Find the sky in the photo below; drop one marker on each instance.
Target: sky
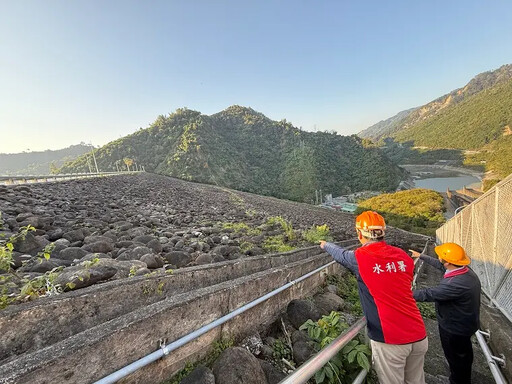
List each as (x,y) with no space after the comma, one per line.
(92,71)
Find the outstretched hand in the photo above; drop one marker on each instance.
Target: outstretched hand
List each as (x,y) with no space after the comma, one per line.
(414,254)
(322,244)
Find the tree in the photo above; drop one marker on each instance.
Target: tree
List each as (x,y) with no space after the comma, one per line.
(128,162)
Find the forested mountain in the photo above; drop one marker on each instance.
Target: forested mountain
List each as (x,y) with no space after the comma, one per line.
(242,149)
(385,127)
(411,117)
(39,163)
(476,120)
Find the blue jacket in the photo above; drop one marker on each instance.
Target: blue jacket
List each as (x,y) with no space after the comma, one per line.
(457,299)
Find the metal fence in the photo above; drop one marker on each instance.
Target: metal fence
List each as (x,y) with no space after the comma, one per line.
(484,230)
(31,179)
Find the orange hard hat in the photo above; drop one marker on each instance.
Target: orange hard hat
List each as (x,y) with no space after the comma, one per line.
(452,253)
(368,222)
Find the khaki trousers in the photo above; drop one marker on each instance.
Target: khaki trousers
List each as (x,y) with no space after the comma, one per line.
(399,364)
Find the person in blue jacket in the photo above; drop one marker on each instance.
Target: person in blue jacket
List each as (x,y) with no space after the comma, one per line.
(457,300)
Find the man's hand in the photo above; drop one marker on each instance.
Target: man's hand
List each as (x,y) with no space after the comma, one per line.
(322,244)
(414,254)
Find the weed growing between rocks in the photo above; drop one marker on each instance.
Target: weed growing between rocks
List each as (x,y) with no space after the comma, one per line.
(317,233)
(17,288)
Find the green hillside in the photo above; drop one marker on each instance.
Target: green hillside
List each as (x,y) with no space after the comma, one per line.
(242,149)
(416,210)
(471,124)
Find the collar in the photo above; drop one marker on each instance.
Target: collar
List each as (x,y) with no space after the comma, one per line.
(456,271)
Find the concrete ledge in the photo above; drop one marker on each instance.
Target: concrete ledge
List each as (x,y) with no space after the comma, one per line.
(98,351)
(32,326)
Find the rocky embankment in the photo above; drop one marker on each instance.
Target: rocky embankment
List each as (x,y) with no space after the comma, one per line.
(101,229)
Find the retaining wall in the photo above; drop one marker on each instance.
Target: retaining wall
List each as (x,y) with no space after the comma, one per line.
(123,321)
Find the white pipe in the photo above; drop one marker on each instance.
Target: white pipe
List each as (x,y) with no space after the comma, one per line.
(495,370)
(360,378)
(165,350)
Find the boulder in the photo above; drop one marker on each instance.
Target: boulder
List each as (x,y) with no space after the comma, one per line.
(273,375)
(328,302)
(299,311)
(30,244)
(204,259)
(99,247)
(155,245)
(237,365)
(72,253)
(144,238)
(135,253)
(177,258)
(74,236)
(82,276)
(152,261)
(302,351)
(95,239)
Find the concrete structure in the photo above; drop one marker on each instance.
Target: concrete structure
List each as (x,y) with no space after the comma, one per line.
(82,336)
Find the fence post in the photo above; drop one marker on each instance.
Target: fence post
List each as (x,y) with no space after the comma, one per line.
(495,238)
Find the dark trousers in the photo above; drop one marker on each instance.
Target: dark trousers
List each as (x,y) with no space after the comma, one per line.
(459,353)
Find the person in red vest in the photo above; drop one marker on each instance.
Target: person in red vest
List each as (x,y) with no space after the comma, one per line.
(457,300)
(384,275)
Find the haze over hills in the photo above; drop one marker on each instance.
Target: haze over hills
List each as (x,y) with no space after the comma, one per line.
(39,163)
(477,117)
(243,149)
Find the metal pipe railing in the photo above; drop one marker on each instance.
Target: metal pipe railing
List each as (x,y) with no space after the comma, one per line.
(165,350)
(310,367)
(492,361)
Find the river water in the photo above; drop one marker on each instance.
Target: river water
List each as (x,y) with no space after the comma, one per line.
(441,184)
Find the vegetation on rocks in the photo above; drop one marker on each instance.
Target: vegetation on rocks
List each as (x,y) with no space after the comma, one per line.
(416,210)
(242,149)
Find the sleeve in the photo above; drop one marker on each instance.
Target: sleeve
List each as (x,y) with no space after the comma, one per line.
(432,261)
(343,256)
(443,292)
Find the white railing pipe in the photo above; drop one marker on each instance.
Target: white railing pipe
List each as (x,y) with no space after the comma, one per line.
(165,350)
(491,360)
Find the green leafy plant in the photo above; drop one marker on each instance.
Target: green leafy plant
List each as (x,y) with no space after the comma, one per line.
(46,252)
(346,364)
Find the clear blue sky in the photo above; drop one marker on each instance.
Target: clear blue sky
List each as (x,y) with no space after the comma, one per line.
(93,71)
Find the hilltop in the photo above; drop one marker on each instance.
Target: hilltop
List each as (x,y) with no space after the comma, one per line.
(474,122)
(243,149)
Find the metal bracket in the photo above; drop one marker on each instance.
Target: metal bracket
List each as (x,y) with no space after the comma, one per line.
(501,361)
(162,343)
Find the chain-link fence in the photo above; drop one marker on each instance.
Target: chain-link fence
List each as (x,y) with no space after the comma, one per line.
(484,230)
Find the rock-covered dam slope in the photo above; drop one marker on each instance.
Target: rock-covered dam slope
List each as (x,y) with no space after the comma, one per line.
(117,227)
